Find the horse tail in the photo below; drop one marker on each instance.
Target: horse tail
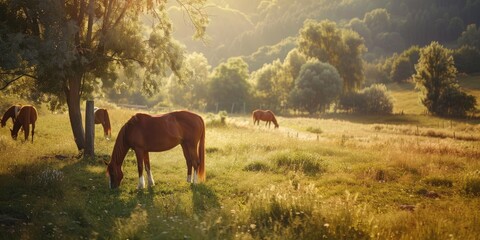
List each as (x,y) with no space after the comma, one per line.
(108,127)
(201,155)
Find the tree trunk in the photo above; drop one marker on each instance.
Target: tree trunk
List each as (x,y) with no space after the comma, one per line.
(74,112)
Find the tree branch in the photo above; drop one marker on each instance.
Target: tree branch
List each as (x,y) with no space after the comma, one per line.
(8,82)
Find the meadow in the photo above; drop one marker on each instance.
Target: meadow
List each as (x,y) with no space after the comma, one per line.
(335,177)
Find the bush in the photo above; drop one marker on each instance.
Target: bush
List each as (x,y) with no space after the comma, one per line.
(217,120)
(453,102)
(467,59)
(316,130)
(472,186)
(372,100)
(257,167)
(309,164)
(439,182)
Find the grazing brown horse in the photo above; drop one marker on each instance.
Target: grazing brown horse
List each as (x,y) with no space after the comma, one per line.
(264,115)
(11,112)
(146,133)
(27,115)
(101,117)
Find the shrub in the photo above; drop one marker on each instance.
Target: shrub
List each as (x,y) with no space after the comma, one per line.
(309,164)
(375,99)
(455,103)
(439,182)
(316,130)
(472,186)
(467,59)
(257,167)
(217,120)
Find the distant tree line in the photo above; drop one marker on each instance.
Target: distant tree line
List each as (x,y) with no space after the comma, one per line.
(326,72)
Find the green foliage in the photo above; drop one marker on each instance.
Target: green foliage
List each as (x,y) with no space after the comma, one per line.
(377,20)
(472,186)
(470,37)
(228,84)
(453,102)
(257,167)
(341,48)
(191,91)
(318,85)
(466,59)
(436,77)
(270,53)
(375,99)
(439,181)
(269,82)
(217,120)
(316,130)
(309,164)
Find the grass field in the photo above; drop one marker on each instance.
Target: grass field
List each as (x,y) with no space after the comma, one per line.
(337,177)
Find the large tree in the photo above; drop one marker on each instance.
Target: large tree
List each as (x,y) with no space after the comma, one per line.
(268,82)
(191,91)
(341,48)
(65,45)
(316,87)
(228,84)
(436,77)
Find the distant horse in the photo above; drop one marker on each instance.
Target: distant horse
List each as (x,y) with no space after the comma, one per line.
(27,115)
(11,112)
(146,133)
(101,117)
(264,115)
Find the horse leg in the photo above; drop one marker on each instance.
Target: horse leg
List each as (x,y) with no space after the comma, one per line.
(195,160)
(26,128)
(146,160)
(33,130)
(140,156)
(188,159)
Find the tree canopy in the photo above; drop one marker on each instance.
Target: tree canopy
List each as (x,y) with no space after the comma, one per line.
(342,48)
(65,45)
(436,77)
(228,84)
(317,85)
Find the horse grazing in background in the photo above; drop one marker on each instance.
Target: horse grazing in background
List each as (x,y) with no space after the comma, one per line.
(101,117)
(264,115)
(146,133)
(11,112)
(27,115)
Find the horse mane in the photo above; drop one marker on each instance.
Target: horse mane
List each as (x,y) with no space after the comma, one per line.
(120,149)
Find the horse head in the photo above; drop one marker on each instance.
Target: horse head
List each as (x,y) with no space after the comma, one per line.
(14,134)
(115,173)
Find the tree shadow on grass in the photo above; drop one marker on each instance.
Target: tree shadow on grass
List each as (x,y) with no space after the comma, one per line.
(59,196)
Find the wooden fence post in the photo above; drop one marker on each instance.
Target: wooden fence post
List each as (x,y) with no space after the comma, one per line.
(89,130)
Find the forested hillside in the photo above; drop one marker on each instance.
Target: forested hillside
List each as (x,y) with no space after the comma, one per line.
(387,26)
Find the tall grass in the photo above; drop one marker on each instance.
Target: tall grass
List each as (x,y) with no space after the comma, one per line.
(358,180)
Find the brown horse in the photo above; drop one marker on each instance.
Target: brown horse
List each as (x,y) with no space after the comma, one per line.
(101,117)
(146,133)
(11,112)
(264,115)
(27,115)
